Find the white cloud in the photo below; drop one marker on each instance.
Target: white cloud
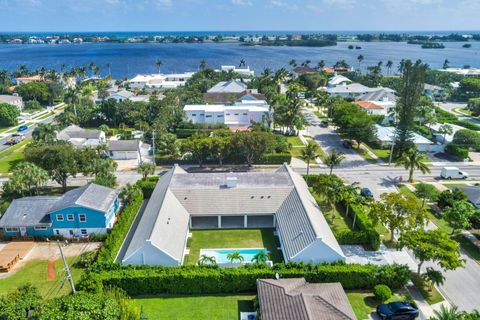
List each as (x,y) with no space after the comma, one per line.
(283,4)
(163,3)
(346,4)
(243,3)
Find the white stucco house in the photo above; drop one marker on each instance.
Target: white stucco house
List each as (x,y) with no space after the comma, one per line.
(338,80)
(81,138)
(246,71)
(160,81)
(13,100)
(183,201)
(386,136)
(241,113)
(128,150)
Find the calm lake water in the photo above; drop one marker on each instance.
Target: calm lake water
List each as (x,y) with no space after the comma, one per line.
(129,59)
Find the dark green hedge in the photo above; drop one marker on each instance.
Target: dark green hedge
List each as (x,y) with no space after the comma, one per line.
(187,133)
(275,158)
(110,248)
(364,224)
(146,280)
(147,186)
(459,152)
(352,237)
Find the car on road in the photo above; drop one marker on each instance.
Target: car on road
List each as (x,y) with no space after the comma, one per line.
(22,128)
(365,192)
(347,144)
(15,138)
(453,173)
(397,311)
(324,124)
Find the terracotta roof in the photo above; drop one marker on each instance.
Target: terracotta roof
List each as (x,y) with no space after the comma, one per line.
(296,299)
(329,70)
(367,105)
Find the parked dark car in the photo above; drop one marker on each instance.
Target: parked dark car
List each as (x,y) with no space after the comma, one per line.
(22,128)
(397,311)
(366,193)
(324,124)
(347,144)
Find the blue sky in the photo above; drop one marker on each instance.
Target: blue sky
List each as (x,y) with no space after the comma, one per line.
(191,15)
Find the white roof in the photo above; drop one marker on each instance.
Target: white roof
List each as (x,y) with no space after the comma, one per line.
(387,134)
(228,86)
(338,79)
(222,108)
(204,107)
(4,98)
(351,88)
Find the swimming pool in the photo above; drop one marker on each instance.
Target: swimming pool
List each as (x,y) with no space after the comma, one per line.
(220,255)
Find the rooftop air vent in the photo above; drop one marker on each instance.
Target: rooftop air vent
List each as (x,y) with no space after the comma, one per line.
(231,182)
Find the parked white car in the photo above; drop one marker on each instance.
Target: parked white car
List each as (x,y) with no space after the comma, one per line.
(453,173)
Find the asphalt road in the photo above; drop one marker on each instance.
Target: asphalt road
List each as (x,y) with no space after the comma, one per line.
(27,133)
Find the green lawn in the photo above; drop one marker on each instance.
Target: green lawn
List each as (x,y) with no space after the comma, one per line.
(364,303)
(35,272)
(296,151)
(232,238)
(11,156)
(365,155)
(295,141)
(196,307)
(432,296)
(383,154)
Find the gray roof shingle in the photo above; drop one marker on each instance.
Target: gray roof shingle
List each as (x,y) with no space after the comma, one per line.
(28,212)
(93,196)
(295,299)
(123,145)
(473,194)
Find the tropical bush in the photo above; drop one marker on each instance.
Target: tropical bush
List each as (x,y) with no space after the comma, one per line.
(145,280)
(275,158)
(147,186)
(365,224)
(382,292)
(86,259)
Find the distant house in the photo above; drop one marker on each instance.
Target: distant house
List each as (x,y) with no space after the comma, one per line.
(247,72)
(386,136)
(296,299)
(473,194)
(231,91)
(338,80)
(440,136)
(435,93)
(25,80)
(14,100)
(128,150)
(79,212)
(160,81)
(80,137)
(381,102)
(241,113)
(298,71)
(352,90)
(371,107)
(184,201)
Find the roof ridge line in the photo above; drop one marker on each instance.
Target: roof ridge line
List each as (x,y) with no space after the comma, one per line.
(331,306)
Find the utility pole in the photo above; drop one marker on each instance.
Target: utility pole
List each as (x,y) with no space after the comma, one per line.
(67,269)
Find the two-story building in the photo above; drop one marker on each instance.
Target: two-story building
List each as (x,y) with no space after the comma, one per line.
(80,212)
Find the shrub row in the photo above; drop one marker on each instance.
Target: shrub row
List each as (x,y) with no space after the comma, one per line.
(364,224)
(457,151)
(187,133)
(269,158)
(147,186)
(352,237)
(150,280)
(114,240)
(275,158)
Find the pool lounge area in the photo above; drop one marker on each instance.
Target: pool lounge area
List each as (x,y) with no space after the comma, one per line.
(221,255)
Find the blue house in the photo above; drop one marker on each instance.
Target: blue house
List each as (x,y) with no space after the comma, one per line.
(79,212)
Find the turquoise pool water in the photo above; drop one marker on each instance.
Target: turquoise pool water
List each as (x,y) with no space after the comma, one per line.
(220,255)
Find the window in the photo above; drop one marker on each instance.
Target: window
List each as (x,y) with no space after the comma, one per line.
(245,114)
(59,217)
(69,217)
(220,116)
(11,229)
(57,232)
(82,217)
(40,228)
(83,231)
(71,232)
(236,114)
(194,114)
(228,114)
(208,116)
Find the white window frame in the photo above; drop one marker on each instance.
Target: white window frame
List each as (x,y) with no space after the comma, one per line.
(72,217)
(60,215)
(11,229)
(83,232)
(40,228)
(80,217)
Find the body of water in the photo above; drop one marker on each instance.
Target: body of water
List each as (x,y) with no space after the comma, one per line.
(129,59)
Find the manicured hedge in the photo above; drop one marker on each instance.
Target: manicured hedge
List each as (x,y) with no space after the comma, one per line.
(364,224)
(187,133)
(352,237)
(275,158)
(114,240)
(457,151)
(147,186)
(150,280)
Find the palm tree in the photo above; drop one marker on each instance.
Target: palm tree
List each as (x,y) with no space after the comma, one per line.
(109,67)
(260,257)
(446,313)
(445,129)
(242,63)
(146,169)
(204,260)
(446,64)
(334,159)
(413,159)
(158,63)
(266,72)
(309,153)
(92,66)
(72,97)
(389,66)
(203,64)
(321,64)
(44,132)
(350,194)
(360,58)
(433,277)
(293,63)
(4,78)
(306,63)
(235,256)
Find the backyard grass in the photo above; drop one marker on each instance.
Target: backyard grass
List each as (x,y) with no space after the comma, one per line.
(296,152)
(35,272)
(364,302)
(196,307)
(365,155)
(232,238)
(295,141)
